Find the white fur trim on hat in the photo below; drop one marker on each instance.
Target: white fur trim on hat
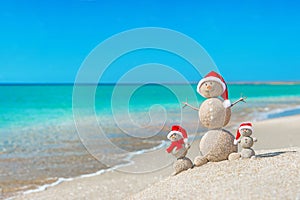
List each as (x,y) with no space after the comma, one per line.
(235,142)
(245,127)
(210,78)
(172,132)
(226,103)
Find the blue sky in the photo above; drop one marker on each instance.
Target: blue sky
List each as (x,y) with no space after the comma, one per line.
(46,41)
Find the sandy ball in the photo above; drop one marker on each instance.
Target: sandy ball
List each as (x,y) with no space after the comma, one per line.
(200,160)
(212,114)
(234,156)
(217,145)
(247,153)
(182,165)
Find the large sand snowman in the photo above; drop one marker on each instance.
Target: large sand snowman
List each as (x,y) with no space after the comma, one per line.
(214,114)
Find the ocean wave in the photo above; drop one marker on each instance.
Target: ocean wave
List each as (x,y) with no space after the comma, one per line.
(272,113)
(127,159)
(282,112)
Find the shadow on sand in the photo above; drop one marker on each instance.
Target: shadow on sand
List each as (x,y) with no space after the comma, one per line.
(273,154)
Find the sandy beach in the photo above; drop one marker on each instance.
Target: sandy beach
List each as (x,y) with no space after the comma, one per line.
(273,174)
(98,100)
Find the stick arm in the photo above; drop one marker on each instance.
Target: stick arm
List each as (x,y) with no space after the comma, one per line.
(242,99)
(185,104)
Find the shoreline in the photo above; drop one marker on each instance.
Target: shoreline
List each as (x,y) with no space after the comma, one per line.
(128,161)
(262,144)
(60,180)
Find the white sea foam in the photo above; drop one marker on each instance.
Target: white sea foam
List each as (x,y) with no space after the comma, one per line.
(127,159)
(270,112)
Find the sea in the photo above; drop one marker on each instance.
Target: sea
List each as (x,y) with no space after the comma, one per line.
(49,135)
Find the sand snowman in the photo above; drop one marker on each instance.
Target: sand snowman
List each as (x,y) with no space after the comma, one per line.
(179,148)
(246,141)
(214,114)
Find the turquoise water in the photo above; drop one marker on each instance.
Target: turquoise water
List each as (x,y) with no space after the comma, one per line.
(44,112)
(39,139)
(24,105)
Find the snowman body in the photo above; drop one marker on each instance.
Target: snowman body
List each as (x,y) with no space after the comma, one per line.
(247,153)
(179,153)
(217,144)
(213,115)
(179,148)
(246,142)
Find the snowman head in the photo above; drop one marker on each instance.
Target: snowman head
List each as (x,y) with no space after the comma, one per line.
(177,133)
(211,89)
(175,137)
(246,132)
(212,86)
(246,129)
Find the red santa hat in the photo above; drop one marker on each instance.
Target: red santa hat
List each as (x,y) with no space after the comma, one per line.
(244,125)
(214,76)
(176,129)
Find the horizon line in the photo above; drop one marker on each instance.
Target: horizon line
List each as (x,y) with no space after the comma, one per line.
(137,83)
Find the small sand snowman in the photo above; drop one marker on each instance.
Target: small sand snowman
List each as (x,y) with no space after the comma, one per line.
(179,148)
(214,114)
(246,142)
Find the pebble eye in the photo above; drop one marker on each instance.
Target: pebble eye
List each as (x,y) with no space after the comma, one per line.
(211,83)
